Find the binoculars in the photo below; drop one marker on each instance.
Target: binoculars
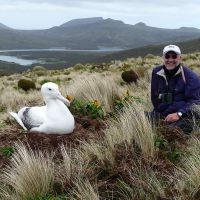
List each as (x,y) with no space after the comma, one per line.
(165,97)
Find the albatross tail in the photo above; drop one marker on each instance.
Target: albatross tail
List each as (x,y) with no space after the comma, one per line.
(15,115)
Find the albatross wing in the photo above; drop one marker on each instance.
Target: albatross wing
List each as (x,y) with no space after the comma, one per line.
(15,115)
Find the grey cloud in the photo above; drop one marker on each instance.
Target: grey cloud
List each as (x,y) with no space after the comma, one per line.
(81,2)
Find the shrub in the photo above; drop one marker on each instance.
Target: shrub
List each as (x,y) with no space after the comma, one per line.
(129,76)
(39,68)
(26,84)
(66,72)
(44,81)
(78,66)
(149,56)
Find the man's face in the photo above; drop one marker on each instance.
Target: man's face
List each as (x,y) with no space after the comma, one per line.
(171,60)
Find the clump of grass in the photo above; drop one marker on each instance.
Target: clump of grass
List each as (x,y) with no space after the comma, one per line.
(96,87)
(84,190)
(30,173)
(44,81)
(190,181)
(99,155)
(78,67)
(39,68)
(149,56)
(135,123)
(13,99)
(143,184)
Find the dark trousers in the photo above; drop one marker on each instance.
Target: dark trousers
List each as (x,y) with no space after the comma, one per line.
(185,123)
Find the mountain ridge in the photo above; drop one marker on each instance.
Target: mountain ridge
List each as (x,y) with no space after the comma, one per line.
(93,33)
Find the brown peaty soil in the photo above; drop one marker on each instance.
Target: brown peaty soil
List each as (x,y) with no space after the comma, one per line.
(85,130)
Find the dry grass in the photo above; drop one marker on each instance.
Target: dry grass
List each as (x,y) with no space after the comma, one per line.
(84,191)
(190,181)
(133,121)
(98,154)
(144,185)
(13,99)
(30,173)
(97,87)
(120,162)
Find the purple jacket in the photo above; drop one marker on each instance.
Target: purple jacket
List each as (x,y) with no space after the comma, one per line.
(184,88)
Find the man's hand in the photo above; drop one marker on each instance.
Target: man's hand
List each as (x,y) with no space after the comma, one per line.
(172,117)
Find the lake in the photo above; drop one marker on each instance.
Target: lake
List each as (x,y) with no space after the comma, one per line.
(21,61)
(14,59)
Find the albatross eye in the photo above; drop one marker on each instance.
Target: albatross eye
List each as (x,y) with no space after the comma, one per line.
(49,89)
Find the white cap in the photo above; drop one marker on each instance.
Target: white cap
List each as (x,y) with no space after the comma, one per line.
(173,48)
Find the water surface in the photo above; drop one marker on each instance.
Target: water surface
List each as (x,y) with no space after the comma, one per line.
(14,59)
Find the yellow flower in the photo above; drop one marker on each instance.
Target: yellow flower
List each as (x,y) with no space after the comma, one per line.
(96,103)
(69,97)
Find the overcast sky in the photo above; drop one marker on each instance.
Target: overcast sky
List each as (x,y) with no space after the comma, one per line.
(41,14)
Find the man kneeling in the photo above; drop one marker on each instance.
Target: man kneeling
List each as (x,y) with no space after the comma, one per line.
(174,90)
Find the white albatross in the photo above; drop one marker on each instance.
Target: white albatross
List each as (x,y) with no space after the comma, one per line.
(53,118)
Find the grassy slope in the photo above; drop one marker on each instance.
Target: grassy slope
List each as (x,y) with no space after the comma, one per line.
(119,156)
(186,47)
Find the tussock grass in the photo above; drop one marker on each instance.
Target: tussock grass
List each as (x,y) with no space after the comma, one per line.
(30,173)
(97,87)
(84,191)
(13,99)
(70,166)
(143,184)
(123,162)
(99,155)
(67,165)
(133,125)
(190,181)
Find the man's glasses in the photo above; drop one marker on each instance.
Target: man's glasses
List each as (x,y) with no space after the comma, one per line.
(173,56)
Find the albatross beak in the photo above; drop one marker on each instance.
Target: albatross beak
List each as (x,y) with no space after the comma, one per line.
(63,99)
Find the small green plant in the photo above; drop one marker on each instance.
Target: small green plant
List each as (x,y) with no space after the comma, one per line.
(93,108)
(7,151)
(2,109)
(160,143)
(120,103)
(2,124)
(174,154)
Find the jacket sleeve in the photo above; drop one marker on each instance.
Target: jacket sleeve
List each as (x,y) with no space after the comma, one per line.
(192,92)
(154,90)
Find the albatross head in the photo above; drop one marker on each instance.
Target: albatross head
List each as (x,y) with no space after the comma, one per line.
(50,91)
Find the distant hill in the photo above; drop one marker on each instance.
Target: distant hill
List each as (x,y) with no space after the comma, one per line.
(77,22)
(93,33)
(189,46)
(2,26)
